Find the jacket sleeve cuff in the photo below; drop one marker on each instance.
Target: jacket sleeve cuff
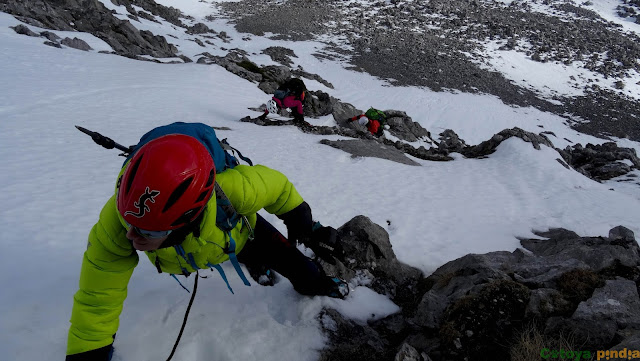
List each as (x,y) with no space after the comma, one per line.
(101,354)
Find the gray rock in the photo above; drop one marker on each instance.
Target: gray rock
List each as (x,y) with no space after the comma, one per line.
(544,271)
(23,30)
(370,148)
(277,74)
(199,28)
(630,342)
(617,301)
(51,36)
(622,234)
(456,279)
(369,248)
(280,54)
(231,63)
(93,17)
(601,162)
(402,126)
(318,103)
(76,44)
(407,353)
(596,252)
(451,142)
(351,341)
(546,302)
(344,111)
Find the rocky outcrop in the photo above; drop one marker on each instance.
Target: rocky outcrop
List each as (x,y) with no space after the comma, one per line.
(450,142)
(76,44)
(370,260)
(24,30)
(598,162)
(601,162)
(280,54)
(560,287)
(53,39)
(169,14)
(370,148)
(268,77)
(91,16)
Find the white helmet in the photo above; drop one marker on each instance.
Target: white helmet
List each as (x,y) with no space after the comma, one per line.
(363,121)
(272,106)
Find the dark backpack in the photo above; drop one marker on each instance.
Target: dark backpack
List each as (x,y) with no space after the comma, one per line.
(376,114)
(222,159)
(281,93)
(226,216)
(293,86)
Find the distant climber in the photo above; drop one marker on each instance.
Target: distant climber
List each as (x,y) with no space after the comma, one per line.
(289,94)
(373,119)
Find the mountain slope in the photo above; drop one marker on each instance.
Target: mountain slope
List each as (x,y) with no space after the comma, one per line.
(55,180)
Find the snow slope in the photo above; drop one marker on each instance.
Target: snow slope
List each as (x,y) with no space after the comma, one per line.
(55,181)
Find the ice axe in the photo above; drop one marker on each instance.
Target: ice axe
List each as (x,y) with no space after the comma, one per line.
(106,142)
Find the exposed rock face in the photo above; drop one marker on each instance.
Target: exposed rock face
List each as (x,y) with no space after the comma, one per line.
(601,162)
(598,162)
(474,307)
(268,77)
(24,30)
(93,17)
(280,54)
(76,44)
(370,148)
(450,142)
(369,248)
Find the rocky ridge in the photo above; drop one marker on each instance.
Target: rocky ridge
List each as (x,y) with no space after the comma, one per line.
(487,306)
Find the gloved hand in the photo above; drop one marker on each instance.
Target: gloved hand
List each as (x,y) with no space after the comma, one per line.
(102,354)
(298,221)
(326,244)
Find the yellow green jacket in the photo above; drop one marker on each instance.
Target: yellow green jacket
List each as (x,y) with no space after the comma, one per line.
(110,257)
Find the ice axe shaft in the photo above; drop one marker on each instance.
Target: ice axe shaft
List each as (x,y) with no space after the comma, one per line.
(106,142)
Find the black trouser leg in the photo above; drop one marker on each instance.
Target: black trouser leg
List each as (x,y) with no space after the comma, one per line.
(271,249)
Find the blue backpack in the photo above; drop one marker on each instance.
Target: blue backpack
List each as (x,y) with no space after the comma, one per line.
(226,216)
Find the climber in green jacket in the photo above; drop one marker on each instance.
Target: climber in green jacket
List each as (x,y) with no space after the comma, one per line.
(165,205)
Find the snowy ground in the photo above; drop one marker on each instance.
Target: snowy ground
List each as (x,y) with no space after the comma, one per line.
(55,180)
(555,78)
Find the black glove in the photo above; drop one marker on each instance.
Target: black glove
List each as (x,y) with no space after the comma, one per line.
(298,222)
(101,354)
(326,244)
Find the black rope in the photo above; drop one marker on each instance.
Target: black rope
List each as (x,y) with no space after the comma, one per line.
(186,315)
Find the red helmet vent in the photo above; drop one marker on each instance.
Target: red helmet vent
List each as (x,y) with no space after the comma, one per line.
(177,193)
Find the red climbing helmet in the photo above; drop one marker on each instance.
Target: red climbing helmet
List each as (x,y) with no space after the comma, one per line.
(167,183)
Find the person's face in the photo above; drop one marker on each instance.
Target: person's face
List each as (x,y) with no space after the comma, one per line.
(142,243)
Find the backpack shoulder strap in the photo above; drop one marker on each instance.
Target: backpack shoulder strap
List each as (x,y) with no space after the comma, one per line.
(229,149)
(226,219)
